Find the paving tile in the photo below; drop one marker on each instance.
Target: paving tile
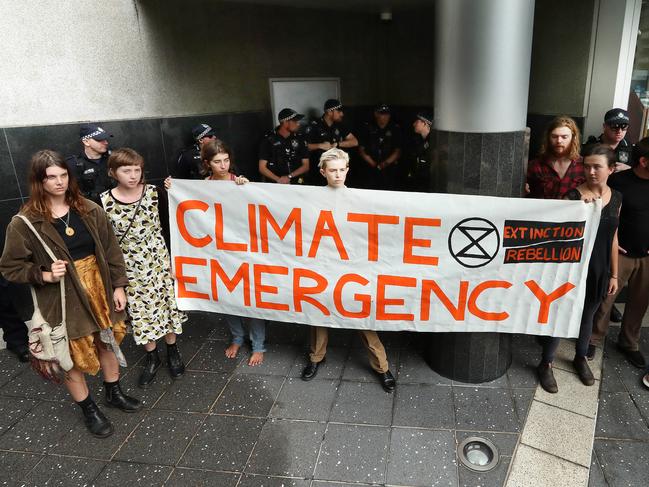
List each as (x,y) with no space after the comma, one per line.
(500,382)
(195,391)
(310,400)
(220,330)
(596,476)
(561,433)
(64,472)
(642,403)
(120,473)
(161,438)
(505,442)
(152,393)
(264,481)
(42,428)
(31,385)
(201,325)
(10,367)
(522,400)
(526,354)
(249,395)
(422,458)
(630,376)
(332,367)
(358,366)
(286,448)
(413,369)
(188,347)
(493,478)
(362,402)
(485,409)
(624,463)
(79,442)
(14,466)
(184,477)
(424,406)
(132,352)
(353,454)
(278,360)
(573,395)
(324,483)
(532,468)
(611,381)
(618,418)
(12,409)
(222,443)
(211,357)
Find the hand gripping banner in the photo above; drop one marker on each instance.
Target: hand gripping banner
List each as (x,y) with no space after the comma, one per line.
(348,258)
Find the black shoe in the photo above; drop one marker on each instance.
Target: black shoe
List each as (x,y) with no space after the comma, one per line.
(311,370)
(175,362)
(387,381)
(20,351)
(95,421)
(634,357)
(115,398)
(616,316)
(546,378)
(590,354)
(583,371)
(151,365)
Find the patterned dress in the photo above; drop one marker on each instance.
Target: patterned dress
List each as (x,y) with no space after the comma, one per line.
(151,307)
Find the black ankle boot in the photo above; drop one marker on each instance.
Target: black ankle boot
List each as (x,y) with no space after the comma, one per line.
(175,361)
(95,421)
(115,398)
(151,365)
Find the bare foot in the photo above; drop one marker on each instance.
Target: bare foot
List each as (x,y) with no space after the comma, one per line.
(257,358)
(232,350)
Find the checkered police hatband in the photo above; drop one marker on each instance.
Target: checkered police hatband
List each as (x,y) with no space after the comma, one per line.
(94,134)
(424,119)
(337,107)
(204,133)
(290,117)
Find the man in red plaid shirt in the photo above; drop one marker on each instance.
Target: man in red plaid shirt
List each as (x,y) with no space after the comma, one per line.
(559,167)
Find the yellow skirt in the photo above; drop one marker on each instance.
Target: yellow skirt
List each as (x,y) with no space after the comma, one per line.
(83,350)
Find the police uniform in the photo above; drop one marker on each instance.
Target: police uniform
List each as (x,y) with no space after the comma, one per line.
(91,174)
(284,154)
(379,143)
(318,132)
(189,164)
(622,151)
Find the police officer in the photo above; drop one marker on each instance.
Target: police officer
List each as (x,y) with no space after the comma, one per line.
(188,163)
(89,166)
(380,149)
(614,128)
(283,154)
(326,133)
(423,175)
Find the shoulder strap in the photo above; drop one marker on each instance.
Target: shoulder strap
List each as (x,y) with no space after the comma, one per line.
(53,257)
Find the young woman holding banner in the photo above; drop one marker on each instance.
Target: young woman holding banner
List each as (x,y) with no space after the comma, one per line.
(138,212)
(218,162)
(599,164)
(90,261)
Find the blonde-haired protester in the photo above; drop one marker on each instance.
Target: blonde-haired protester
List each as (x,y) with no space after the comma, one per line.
(138,212)
(334,166)
(219,165)
(90,262)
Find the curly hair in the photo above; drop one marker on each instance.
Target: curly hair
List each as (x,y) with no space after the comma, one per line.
(575,145)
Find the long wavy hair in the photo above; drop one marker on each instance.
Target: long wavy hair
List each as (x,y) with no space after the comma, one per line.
(38,204)
(212,148)
(575,144)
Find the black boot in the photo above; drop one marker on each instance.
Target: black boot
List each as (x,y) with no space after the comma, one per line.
(95,421)
(175,361)
(115,398)
(151,365)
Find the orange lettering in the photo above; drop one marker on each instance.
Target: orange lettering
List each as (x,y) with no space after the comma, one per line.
(457,312)
(182,208)
(252,228)
(326,227)
(364,299)
(373,222)
(546,299)
(475,294)
(409,241)
(300,293)
(381,301)
(182,279)
(218,232)
(242,274)
(294,218)
(264,288)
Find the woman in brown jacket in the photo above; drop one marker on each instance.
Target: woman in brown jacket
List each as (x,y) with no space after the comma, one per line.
(88,255)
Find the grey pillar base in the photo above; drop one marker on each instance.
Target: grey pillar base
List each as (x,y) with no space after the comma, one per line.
(490,164)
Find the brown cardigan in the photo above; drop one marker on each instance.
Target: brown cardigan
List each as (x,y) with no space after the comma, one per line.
(24,259)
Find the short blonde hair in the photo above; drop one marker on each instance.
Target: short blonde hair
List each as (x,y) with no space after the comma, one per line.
(333,155)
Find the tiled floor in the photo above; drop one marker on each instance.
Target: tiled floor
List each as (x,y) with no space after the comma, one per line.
(226,424)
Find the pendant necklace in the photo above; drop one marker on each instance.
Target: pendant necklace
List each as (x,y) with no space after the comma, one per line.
(69,231)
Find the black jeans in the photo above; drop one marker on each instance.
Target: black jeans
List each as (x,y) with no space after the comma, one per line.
(15,331)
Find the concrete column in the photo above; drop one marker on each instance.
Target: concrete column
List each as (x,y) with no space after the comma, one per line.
(483,51)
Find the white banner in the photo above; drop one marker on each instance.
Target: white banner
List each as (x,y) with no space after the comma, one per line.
(349,258)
